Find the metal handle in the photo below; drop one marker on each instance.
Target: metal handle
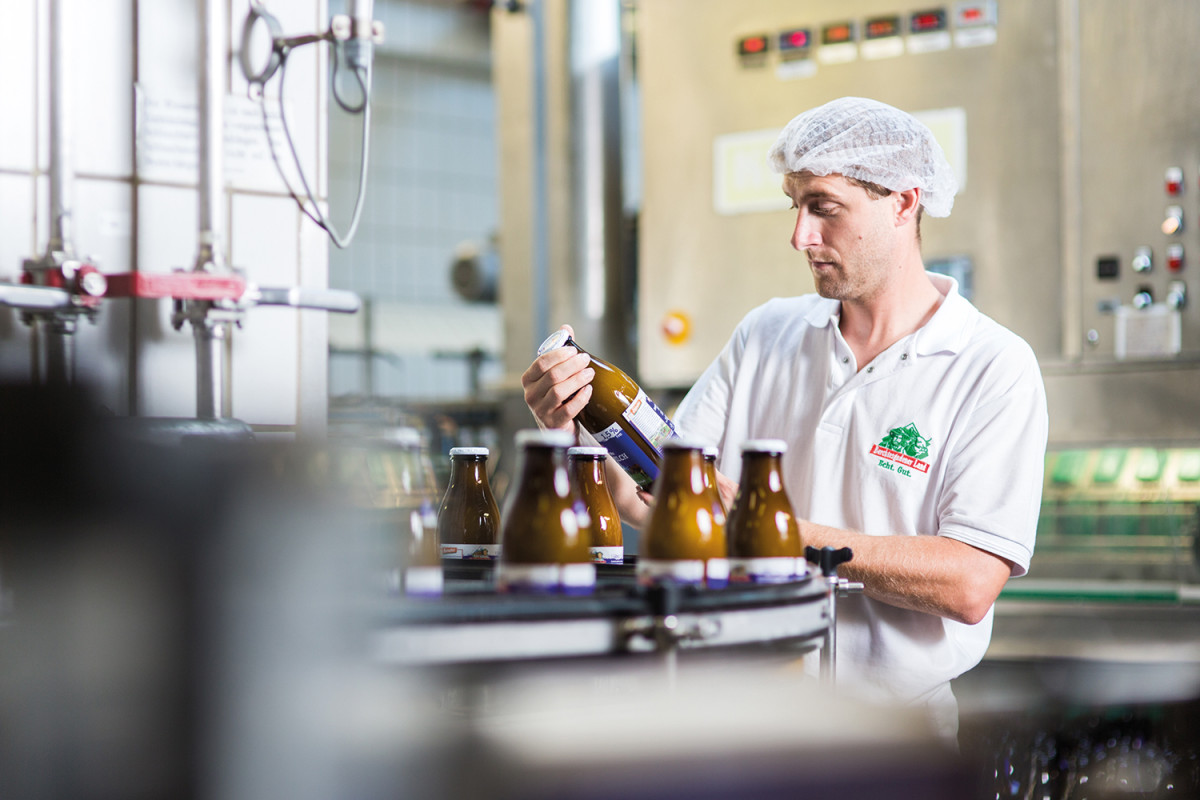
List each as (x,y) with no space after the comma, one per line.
(338,300)
(34,297)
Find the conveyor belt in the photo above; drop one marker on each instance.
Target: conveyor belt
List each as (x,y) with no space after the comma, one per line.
(474,624)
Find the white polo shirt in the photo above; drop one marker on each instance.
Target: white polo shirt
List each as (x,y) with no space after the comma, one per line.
(944,434)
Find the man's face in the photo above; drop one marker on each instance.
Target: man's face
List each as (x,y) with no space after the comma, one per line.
(848,236)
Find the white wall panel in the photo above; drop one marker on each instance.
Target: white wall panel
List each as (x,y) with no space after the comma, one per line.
(167,42)
(103,235)
(266,357)
(101,88)
(16,241)
(166,359)
(18,103)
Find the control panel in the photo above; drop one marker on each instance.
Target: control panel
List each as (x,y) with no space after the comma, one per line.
(797,52)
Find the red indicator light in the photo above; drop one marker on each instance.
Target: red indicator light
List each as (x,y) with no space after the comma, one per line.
(883,27)
(752,45)
(836,34)
(972,14)
(924,21)
(794,40)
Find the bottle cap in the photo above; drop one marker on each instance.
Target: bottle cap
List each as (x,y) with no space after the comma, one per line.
(711,451)
(555,340)
(683,443)
(469,451)
(540,438)
(588,452)
(764,446)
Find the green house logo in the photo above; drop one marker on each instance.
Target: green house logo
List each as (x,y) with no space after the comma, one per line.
(903,451)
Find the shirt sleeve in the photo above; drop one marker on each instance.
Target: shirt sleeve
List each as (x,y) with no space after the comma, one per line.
(993,486)
(703,413)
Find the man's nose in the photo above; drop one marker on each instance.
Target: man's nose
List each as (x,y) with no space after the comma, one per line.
(804,235)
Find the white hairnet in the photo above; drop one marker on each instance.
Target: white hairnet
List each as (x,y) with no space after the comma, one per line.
(870,141)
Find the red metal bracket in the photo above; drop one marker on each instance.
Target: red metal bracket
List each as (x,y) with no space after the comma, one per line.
(176,285)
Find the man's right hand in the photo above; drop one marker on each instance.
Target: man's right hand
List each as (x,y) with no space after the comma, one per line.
(558,385)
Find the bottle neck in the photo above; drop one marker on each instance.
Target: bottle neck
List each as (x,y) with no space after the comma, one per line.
(544,470)
(762,471)
(468,471)
(683,471)
(590,469)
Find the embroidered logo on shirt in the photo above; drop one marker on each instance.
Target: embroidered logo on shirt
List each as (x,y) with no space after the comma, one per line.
(902,449)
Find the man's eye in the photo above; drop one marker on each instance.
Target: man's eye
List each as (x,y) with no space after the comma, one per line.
(824,210)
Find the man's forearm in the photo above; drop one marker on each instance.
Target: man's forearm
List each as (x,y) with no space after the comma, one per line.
(932,574)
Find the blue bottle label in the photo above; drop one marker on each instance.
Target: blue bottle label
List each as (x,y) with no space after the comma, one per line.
(654,427)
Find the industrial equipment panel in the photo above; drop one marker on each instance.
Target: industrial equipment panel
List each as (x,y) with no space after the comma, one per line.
(1068,124)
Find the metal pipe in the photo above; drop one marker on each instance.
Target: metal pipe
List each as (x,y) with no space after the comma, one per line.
(61,163)
(210,334)
(54,356)
(600,301)
(212,123)
(829,644)
(541,211)
(210,367)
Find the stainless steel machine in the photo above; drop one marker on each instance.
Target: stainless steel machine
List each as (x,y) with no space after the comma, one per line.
(1072,128)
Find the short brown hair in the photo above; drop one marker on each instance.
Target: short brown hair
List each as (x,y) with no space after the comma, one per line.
(879,192)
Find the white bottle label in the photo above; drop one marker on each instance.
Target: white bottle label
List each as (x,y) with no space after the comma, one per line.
(423,581)
(608,555)
(645,417)
(578,578)
(528,577)
(478,552)
(651,571)
(762,570)
(716,573)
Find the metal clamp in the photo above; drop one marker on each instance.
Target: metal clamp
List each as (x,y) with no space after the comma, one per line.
(828,560)
(58,285)
(341,28)
(667,632)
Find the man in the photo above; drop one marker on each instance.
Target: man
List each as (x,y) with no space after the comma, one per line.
(917,426)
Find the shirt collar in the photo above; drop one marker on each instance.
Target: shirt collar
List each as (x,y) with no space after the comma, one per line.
(945,331)
(950,325)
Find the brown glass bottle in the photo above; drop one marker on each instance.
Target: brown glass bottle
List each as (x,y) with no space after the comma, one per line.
(423,571)
(586,465)
(544,538)
(684,540)
(764,537)
(621,417)
(469,520)
(710,482)
(380,474)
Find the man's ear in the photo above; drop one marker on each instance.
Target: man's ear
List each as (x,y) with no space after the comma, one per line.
(907,205)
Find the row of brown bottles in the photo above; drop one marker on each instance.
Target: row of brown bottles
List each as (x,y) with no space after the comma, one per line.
(689,539)
(469,521)
(560,518)
(685,538)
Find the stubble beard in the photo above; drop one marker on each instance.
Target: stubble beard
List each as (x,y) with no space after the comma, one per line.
(830,281)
